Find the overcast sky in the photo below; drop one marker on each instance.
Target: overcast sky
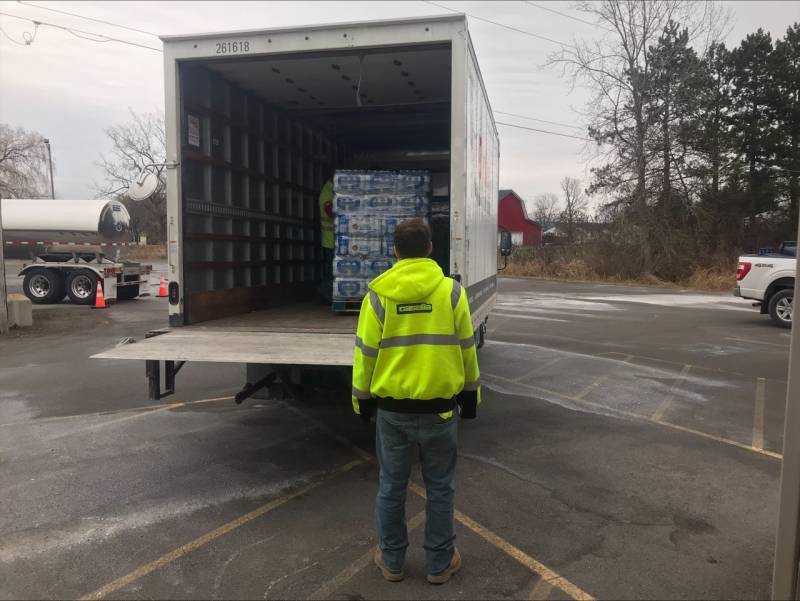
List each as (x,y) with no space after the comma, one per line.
(70,89)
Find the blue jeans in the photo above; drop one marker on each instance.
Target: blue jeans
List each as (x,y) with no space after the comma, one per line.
(397,435)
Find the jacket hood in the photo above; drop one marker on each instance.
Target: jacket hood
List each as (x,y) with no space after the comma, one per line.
(409,280)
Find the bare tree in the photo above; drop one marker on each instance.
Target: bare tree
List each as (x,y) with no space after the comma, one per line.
(546,209)
(617,68)
(23,163)
(136,144)
(575,206)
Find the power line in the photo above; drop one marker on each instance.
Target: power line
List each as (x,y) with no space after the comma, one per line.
(544,131)
(75,32)
(558,12)
(522,31)
(64,12)
(10,39)
(539,120)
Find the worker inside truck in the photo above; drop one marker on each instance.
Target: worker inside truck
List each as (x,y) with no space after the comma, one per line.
(326,225)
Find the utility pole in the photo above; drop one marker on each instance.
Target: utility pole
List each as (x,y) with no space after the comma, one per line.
(50,163)
(3,295)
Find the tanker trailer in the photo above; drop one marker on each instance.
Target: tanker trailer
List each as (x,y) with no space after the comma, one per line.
(72,244)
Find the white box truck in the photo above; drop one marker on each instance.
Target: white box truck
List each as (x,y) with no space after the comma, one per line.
(256,122)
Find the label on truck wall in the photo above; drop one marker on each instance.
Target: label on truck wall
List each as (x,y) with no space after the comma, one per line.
(193,126)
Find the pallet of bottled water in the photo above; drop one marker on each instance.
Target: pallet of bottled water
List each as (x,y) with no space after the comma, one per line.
(368,205)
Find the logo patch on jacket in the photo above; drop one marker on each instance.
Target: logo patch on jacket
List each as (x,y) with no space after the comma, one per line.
(408,308)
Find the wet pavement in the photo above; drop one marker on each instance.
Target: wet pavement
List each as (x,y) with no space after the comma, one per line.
(628,446)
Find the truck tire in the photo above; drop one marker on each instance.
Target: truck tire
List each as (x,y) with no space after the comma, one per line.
(43,286)
(480,336)
(82,286)
(780,307)
(127,292)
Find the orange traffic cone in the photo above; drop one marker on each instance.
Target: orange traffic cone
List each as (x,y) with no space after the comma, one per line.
(162,288)
(99,298)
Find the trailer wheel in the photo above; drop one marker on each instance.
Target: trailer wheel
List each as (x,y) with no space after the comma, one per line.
(82,286)
(43,286)
(780,307)
(127,292)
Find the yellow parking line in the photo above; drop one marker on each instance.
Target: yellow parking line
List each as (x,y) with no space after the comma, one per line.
(643,418)
(751,341)
(338,581)
(712,370)
(529,562)
(758,414)
(662,408)
(580,396)
(720,439)
(140,409)
(139,414)
(495,539)
(516,553)
(167,558)
(538,368)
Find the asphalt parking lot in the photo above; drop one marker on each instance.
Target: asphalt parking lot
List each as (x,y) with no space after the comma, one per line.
(628,446)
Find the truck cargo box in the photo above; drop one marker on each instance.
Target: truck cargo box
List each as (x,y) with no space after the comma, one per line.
(257,121)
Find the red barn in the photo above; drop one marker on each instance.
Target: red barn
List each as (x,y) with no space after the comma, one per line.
(512,217)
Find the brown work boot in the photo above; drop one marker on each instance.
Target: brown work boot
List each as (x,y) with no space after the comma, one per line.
(455,566)
(386,572)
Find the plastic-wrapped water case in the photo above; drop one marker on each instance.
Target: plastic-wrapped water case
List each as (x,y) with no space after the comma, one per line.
(388,245)
(414,204)
(409,204)
(368,206)
(348,182)
(350,288)
(348,203)
(357,182)
(372,268)
(348,267)
(413,182)
(356,246)
(360,225)
(390,222)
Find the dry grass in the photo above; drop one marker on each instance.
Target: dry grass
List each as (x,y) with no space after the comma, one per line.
(718,279)
(151,251)
(721,278)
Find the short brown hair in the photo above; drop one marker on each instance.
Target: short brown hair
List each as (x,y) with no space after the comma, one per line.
(411,238)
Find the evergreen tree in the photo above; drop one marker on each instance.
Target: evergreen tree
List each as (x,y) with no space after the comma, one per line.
(753,117)
(786,68)
(671,100)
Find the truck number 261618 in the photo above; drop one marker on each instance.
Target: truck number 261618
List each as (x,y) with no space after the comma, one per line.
(233,47)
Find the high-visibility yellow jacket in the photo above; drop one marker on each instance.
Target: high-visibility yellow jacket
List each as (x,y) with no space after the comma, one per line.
(415,348)
(326,214)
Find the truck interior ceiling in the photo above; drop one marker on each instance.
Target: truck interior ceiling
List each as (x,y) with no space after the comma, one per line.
(262,134)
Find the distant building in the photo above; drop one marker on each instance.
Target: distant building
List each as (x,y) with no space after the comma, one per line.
(584,231)
(512,217)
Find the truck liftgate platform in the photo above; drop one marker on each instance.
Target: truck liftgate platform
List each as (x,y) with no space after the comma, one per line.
(303,334)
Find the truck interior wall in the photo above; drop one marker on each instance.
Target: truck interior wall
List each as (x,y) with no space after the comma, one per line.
(253,164)
(250,183)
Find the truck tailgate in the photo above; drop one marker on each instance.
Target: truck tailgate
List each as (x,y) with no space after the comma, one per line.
(277,348)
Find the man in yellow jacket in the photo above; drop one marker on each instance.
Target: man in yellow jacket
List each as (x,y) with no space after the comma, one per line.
(327,239)
(416,364)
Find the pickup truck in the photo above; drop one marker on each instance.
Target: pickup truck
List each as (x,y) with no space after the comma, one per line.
(768,279)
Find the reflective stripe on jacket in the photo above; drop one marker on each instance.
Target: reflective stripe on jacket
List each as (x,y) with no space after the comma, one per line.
(415,341)
(326,215)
